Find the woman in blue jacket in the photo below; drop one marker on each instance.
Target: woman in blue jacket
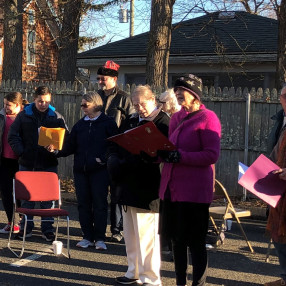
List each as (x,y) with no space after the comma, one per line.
(87,141)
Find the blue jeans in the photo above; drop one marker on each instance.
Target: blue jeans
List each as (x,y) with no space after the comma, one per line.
(91,191)
(281,253)
(46,226)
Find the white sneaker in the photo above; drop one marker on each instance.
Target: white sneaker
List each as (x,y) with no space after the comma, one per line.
(84,243)
(100,245)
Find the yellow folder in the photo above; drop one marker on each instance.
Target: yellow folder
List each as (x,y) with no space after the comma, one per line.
(53,136)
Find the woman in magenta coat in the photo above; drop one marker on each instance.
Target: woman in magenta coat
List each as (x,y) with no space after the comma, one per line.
(187,180)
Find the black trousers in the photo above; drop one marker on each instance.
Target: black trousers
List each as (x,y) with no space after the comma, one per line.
(199,262)
(91,191)
(187,225)
(8,168)
(116,219)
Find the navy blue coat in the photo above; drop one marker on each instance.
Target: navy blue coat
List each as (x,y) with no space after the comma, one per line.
(87,141)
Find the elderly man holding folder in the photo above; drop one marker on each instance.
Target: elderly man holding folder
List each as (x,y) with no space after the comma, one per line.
(137,180)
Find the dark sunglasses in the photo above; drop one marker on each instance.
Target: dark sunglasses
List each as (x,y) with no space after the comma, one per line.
(84,105)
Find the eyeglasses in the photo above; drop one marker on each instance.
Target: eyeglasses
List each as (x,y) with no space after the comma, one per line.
(84,105)
(142,104)
(283,94)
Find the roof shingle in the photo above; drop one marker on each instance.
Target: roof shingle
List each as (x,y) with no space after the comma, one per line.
(206,35)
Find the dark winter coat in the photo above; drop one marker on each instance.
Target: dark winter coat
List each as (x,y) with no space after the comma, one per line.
(23,136)
(87,141)
(275,131)
(117,105)
(137,181)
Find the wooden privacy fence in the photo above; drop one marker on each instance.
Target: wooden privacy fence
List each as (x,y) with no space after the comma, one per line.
(245,117)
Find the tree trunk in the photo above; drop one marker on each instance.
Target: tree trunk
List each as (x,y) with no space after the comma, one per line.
(13,40)
(281,46)
(158,49)
(69,35)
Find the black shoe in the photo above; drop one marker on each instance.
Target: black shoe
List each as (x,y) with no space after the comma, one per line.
(21,234)
(126,281)
(116,237)
(48,236)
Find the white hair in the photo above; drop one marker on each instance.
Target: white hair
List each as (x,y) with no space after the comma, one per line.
(171,104)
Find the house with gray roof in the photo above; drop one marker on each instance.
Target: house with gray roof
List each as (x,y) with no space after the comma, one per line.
(223,48)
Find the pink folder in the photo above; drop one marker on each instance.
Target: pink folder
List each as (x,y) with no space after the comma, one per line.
(259,180)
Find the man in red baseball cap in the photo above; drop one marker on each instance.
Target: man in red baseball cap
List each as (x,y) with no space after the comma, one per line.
(116,102)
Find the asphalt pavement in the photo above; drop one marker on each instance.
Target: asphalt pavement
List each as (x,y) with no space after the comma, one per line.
(230,264)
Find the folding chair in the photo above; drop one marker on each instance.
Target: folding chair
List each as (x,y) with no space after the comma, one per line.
(36,187)
(225,211)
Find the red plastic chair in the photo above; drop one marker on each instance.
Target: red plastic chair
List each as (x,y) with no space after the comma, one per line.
(38,186)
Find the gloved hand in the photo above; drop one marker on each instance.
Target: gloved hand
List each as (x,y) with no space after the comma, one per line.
(169,156)
(146,158)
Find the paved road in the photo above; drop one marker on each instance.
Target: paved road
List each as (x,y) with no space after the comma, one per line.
(230,264)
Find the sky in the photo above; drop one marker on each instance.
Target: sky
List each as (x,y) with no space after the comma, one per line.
(107,24)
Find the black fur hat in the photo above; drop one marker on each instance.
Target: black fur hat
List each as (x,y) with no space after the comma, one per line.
(190,83)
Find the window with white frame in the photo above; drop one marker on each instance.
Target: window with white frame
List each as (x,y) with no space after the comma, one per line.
(31,17)
(31,47)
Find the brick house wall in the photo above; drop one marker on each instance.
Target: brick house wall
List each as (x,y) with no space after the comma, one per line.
(44,66)
(1,36)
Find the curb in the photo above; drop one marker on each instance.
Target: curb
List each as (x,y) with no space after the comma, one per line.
(257,213)
(68,197)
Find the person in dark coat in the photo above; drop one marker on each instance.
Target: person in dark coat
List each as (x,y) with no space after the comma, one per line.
(117,104)
(23,139)
(137,180)
(88,143)
(279,124)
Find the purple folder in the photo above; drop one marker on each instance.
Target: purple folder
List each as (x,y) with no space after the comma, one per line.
(259,180)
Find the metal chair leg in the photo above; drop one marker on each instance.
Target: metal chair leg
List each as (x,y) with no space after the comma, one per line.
(268,250)
(218,230)
(68,237)
(244,235)
(24,237)
(57,229)
(68,240)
